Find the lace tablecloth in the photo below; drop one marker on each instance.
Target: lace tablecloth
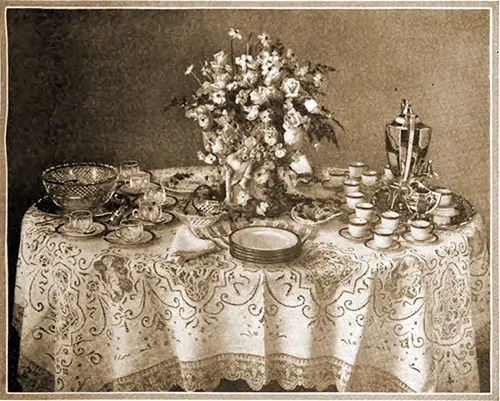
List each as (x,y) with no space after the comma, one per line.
(93,316)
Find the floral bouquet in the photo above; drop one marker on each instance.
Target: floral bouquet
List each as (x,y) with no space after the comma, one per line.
(257,111)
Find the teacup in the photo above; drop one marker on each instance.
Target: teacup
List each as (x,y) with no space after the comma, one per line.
(128,168)
(441,220)
(353,198)
(149,211)
(138,180)
(364,210)
(390,220)
(369,178)
(388,174)
(157,195)
(351,185)
(356,169)
(421,229)
(446,196)
(130,230)
(383,237)
(80,221)
(358,227)
(336,177)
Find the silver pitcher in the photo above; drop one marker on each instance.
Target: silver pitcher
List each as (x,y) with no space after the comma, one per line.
(407,141)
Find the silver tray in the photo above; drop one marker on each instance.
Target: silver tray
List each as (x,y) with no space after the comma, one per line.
(465,209)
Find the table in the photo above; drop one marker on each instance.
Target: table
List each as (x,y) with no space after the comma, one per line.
(93,316)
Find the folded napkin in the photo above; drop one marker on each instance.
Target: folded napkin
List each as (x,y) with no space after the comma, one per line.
(186,246)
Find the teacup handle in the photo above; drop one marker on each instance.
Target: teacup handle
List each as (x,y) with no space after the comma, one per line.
(135,213)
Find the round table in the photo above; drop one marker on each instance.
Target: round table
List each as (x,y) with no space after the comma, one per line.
(94,316)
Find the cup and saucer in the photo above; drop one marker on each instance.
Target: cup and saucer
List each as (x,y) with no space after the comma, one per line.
(365,210)
(384,240)
(357,230)
(137,184)
(151,213)
(81,225)
(130,232)
(420,233)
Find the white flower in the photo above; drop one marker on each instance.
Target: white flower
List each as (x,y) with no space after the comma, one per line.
(265,39)
(220,61)
(270,139)
(189,70)
(242,198)
(259,96)
(210,159)
(291,87)
(301,165)
(242,96)
(250,142)
(311,105)
(262,208)
(218,146)
(205,121)
(235,34)
(303,71)
(265,116)
(200,155)
(293,118)
(218,97)
(291,136)
(250,77)
(232,86)
(317,78)
(272,76)
(280,152)
(253,112)
(244,61)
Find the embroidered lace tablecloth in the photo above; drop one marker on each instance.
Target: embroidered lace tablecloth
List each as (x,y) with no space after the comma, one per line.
(93,316)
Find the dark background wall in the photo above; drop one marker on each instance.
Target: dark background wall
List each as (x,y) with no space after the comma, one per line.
(93,84)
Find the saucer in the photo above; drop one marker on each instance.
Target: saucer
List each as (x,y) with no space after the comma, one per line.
(97,228)
(168,202)
(137,191)
(429,240)
(165,219)
(344,232)
(114,239)
(374,219)
(371,244)
(400,230)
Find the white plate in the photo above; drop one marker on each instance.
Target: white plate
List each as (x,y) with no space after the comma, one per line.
(394,246)
(97,228)
(114,239)
(185,180)
(429,240)
(261,238)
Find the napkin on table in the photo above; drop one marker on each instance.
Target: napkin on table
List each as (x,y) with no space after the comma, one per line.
(186,246)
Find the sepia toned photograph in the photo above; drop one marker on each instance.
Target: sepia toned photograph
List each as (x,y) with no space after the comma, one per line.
(258,199)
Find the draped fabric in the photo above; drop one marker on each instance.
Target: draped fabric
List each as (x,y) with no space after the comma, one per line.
(94,316)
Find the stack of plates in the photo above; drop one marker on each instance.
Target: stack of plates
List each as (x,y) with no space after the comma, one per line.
(261,244)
